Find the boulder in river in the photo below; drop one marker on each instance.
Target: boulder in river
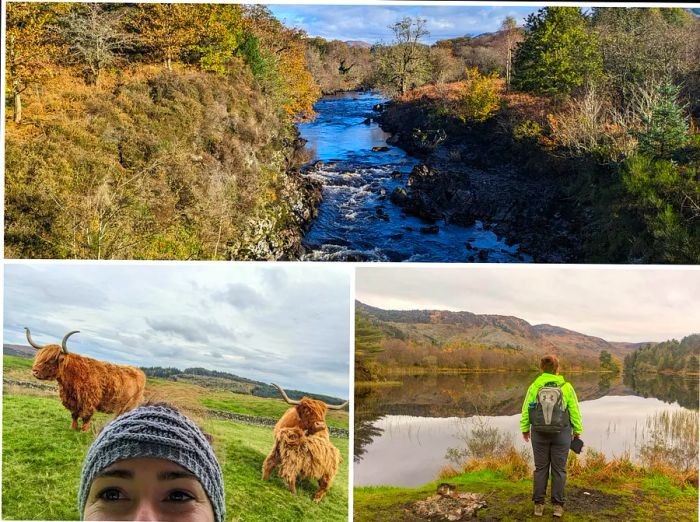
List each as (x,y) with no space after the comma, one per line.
(378,107)
(433,229)
(396,174)
(399,197)
(380,149)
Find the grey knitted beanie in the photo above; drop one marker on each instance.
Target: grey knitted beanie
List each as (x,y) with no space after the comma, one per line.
(155,431)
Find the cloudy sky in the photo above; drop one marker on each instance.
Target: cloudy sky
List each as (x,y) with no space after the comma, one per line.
(617,304)
(274,322)
(370,23)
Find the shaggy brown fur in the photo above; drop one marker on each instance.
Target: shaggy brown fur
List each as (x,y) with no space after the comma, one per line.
(302,456)
(309,416)
(87,385)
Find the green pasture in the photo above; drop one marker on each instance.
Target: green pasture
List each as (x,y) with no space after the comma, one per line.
(42,457)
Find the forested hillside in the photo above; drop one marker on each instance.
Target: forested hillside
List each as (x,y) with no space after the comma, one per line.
(587,122)
(668,357)
(154,131)
(435,340)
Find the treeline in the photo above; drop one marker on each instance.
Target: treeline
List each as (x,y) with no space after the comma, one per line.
(678,357)
(339,66)
(259,389)
(382,349)
(406,62)
(154,131)
(605,100)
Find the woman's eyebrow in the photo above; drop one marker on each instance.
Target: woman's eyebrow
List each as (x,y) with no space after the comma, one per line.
(116,473)
(173,475)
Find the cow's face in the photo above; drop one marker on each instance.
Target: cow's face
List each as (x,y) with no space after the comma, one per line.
(47,361)
(312,414)
(291,436)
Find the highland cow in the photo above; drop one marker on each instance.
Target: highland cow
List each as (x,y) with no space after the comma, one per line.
(86,385)
(303,456)
(307,414)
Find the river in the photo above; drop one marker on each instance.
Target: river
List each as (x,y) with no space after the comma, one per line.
(357,221)
(403,432)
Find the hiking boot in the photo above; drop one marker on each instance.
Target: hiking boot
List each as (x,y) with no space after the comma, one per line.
(558,511)
(539,510)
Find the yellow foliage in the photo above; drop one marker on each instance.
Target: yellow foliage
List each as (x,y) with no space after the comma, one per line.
(482,97)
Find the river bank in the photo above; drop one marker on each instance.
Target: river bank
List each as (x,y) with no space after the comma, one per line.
(477,172)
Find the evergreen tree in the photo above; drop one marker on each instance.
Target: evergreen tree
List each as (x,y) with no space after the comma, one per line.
(558,54)
(665,127)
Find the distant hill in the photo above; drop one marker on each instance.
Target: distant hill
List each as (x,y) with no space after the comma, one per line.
(358,43)
(18,350)
(203,377)
(491,338)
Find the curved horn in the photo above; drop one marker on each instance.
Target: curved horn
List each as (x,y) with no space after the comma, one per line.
(337,406)
(30,341)
(65,338)
(287,399)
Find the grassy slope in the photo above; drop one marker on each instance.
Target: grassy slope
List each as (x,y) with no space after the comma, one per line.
(42,457)
(651,498)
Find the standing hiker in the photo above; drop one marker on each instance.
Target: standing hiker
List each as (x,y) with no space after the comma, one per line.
(551,411)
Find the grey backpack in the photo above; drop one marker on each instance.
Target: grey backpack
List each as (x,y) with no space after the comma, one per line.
(548,414)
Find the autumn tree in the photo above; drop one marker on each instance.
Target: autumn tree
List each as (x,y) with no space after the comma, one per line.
(558,54)
(94,36)
(406,63)
(642,44)
(166,29)
(282,52)
(29,46)
(510,29)
(444,65)
(219,32)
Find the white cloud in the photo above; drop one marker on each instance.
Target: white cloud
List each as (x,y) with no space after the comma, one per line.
(616,303)
(270,321)
(371,23)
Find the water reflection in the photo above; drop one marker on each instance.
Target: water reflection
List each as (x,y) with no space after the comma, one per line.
(403,432)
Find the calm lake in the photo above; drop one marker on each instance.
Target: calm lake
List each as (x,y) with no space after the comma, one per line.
(357,221)
(403,432)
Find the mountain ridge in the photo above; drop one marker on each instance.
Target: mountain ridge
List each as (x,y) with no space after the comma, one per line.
(497,331)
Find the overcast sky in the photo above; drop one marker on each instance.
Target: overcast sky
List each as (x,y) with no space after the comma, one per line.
(273,322)
(617,304)
(370,23)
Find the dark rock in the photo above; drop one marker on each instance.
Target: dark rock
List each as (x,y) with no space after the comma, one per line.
(378,107)
(367,121)
(483,255)
(394,139)
(396,174)
(380,149)
(399,197)
(396,236)
(434,229)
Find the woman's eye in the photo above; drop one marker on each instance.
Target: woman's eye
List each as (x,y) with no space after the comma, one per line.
(179,496)
(111,495)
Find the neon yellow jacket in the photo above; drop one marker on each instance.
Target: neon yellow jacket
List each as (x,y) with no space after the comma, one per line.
(570,401)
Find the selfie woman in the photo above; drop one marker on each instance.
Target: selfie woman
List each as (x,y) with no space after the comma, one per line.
(151,463)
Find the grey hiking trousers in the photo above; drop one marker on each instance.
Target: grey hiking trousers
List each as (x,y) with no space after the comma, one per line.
(551,451)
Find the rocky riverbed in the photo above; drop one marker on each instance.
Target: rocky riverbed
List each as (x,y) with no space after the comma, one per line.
(471,174)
